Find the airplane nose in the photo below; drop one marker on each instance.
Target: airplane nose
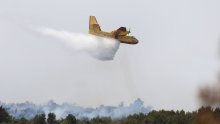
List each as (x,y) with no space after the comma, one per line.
(135,41)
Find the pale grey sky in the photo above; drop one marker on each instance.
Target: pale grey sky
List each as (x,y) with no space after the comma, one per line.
(177,52)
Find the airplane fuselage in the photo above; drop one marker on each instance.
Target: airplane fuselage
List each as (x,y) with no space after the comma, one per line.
(121,34)
(122,39)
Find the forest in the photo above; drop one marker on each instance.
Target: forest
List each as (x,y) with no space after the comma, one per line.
(204,115)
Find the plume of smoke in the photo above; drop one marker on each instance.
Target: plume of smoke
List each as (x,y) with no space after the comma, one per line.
(29,110)
(98,47)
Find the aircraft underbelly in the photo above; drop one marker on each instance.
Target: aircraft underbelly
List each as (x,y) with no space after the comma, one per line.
(127,40)
(122,39)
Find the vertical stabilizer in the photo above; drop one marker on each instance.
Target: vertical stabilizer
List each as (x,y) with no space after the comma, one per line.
(93,25)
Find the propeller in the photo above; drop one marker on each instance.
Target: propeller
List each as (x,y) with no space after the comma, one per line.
(129,31)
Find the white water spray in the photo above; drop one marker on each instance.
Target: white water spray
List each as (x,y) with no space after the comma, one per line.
(98,47)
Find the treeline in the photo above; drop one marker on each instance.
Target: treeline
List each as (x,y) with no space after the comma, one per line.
(205,115)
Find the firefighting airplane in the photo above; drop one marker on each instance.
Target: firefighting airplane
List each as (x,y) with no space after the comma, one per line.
(120,34)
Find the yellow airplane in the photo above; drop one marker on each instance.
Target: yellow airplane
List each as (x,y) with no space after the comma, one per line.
(120,34)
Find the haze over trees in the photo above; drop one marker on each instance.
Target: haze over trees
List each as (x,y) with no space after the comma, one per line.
(204,115)
(28,110)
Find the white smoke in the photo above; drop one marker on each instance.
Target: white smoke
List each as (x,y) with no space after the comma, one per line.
(98,47)
(29,110)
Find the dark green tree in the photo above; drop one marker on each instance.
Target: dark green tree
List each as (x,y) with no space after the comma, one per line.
(39,119)
(51,118)
(4,116)
(22,121)
(137,119)
(101,120)
(71,119)
(217,113)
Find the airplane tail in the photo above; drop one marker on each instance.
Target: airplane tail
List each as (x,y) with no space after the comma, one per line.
(93,25)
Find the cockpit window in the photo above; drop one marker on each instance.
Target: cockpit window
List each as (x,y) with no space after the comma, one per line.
(122,29)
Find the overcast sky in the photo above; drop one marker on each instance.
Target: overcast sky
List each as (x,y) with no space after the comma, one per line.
(178,52)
